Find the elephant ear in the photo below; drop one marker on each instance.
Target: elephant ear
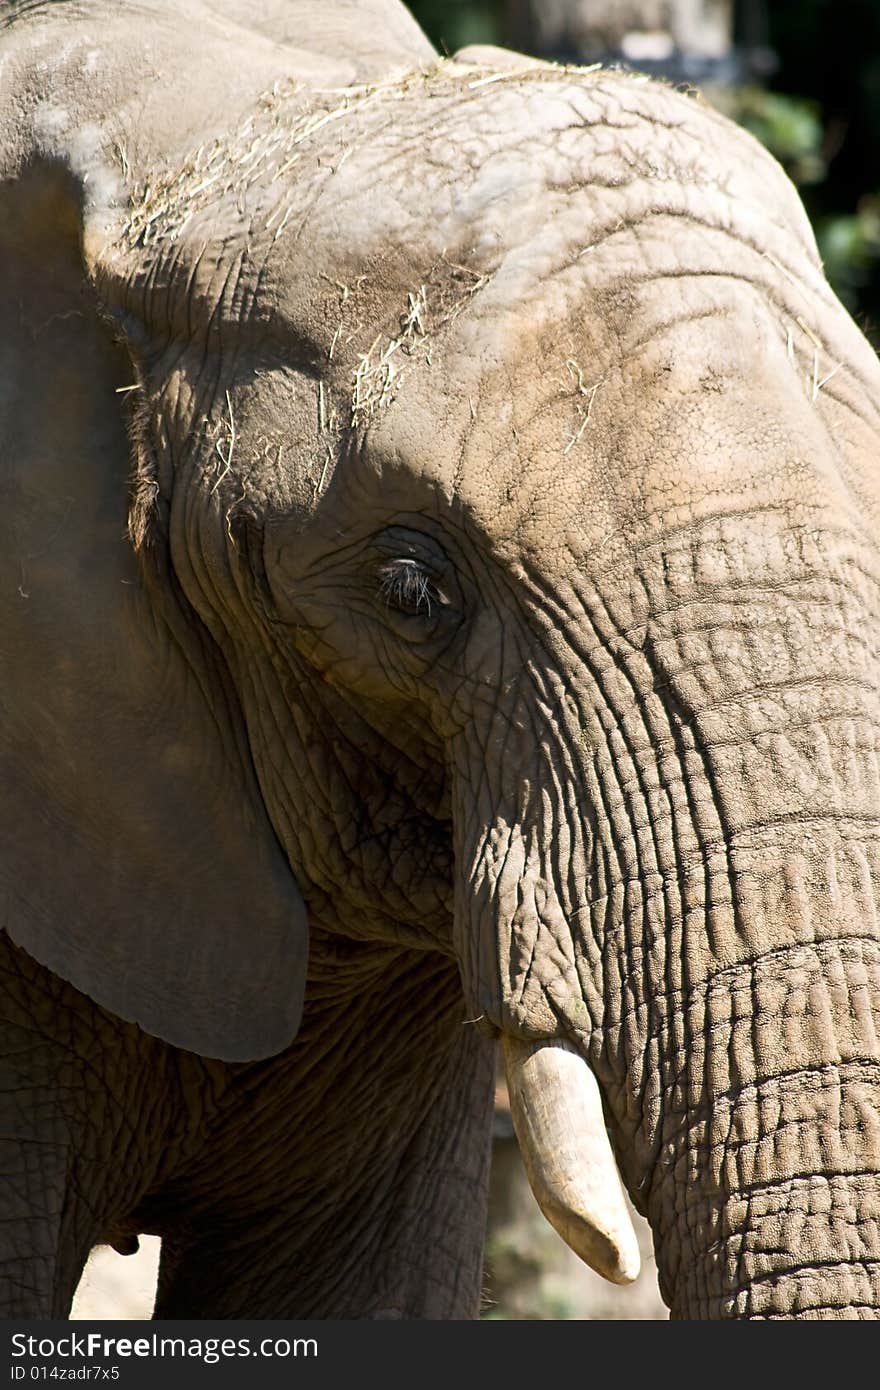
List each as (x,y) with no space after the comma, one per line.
(136,857)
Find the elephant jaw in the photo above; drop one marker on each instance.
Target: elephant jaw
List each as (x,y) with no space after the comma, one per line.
(557,1115)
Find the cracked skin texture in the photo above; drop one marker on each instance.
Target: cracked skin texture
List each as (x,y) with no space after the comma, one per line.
(559,344)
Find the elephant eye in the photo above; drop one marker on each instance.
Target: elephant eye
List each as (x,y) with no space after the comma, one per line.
(405,585)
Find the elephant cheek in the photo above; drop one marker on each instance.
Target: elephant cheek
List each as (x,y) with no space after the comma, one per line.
(519,967)
(512,939)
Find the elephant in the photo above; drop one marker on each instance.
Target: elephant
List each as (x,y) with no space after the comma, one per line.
(439,611)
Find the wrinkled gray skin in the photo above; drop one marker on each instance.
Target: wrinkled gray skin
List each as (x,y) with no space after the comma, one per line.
(445,511)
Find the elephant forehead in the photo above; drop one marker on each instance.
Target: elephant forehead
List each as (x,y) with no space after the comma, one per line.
(621,420)
(446,163)
(500,272)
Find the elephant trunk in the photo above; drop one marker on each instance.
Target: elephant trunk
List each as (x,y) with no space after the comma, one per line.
(671,858)
(765,1195)
(765,1192)
(800,1248)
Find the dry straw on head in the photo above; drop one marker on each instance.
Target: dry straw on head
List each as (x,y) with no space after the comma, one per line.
(285,123)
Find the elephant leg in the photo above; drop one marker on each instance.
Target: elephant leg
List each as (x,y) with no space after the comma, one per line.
(72,1159)
(356,1188)
(45,1234)
(39,1270)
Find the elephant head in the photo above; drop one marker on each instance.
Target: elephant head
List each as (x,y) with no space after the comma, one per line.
(499,585)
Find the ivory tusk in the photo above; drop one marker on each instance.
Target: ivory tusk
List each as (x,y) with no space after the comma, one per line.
(557,1115)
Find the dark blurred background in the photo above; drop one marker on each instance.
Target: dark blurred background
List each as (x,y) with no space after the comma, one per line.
(801,75)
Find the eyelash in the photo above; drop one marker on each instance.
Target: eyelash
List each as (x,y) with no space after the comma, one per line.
(404,585)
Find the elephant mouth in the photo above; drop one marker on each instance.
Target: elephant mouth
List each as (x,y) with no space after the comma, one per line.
(557,1114)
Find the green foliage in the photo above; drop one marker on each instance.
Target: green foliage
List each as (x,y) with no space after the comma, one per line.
(829,54)
(790,127)
(451,24)
(850,249)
